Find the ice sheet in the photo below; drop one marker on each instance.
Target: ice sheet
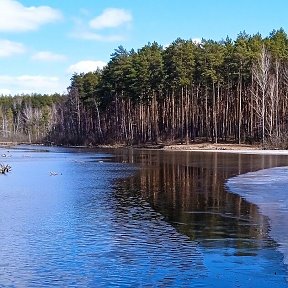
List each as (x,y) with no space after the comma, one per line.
(268,189)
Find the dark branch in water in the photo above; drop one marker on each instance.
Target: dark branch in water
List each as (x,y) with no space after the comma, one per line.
(5,168)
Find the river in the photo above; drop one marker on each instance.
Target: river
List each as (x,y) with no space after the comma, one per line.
(135,218)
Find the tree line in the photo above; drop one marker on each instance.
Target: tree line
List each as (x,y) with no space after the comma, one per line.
(218,91)
(29,118)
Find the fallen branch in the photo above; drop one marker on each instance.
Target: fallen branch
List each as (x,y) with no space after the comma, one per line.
(5,168)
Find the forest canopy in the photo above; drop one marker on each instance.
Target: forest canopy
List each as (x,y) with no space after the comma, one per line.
(218,91)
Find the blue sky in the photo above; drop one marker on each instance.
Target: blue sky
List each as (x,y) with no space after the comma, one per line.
(42,42)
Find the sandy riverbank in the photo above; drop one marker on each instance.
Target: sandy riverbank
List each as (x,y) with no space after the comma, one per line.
(205,147)
(225,148)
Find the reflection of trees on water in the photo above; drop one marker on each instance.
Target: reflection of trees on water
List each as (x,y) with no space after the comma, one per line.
(188,188)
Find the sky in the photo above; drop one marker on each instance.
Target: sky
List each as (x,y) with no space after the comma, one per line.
(43,42)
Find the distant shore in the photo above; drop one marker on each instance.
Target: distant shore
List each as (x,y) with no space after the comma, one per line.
(203,147)
(8,144)
(225,148)
(212,146)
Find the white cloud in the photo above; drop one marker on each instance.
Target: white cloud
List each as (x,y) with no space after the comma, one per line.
(32,84)
(48,56)
(9,48)
(85,66)
(14,17)
(111,18)
(37,81)
(117,20)
(5,92)
(197,40)
(165,46)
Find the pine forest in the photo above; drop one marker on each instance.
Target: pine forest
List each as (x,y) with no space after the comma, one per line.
(218,91)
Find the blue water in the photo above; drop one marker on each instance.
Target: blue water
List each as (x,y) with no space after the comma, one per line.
(65,222)
(71,230)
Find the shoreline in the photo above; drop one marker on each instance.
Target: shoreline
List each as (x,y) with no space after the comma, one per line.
(225,148)
(195,147)
(205,147)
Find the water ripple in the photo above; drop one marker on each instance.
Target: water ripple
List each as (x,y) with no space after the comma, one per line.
(76,230)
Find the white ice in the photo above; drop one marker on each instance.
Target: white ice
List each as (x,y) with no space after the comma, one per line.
(268,189)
